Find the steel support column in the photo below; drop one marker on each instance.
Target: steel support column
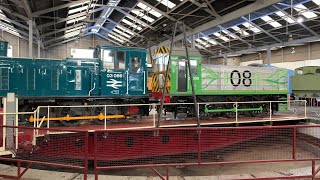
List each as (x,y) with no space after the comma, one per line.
(39,46)
(269,55)
(30,38)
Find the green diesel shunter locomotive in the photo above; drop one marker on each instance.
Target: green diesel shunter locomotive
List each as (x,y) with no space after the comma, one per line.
(305,82)
(215,83)
(117,75)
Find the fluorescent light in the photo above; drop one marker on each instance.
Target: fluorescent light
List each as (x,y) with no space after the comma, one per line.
(167,3)
(270,21)
(76,19)
(287,18)
(241,31)
(150,10)
(300,19)
(304,11)
(219,35)
(251,27)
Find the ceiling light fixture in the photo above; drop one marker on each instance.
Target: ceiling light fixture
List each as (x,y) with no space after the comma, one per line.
(300,19)
(293,51)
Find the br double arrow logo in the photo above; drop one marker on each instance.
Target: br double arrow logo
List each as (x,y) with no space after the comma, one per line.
(114,84)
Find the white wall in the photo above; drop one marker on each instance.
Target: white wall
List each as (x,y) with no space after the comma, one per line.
(20,47)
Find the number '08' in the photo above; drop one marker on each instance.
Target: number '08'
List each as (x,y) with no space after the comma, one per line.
(236,78)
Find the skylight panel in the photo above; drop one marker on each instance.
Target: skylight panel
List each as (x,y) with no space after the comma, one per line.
(118,36)
(286,18)
(202,42)
(71,34)
(143,16)
(251,27)
(115,38)
(316,2)
(229,34)
(121,33)
(241,31)
(210,40)
(9,29)
(79,4)
(150,10)
(199,46)
(135,21)
(79,9)
(125,30)
(73,29)
(304,11)
(219,35)
(131,24)
(76,19)
(271,21)
(167,3)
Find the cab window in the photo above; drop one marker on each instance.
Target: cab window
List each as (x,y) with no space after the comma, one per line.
(193,64)
(113,59)
(135,64)
(108,57)
(121,57)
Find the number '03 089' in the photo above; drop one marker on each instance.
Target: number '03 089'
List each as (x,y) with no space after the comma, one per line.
(236,78)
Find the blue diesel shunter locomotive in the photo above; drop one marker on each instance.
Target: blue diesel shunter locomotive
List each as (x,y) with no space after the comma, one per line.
(117,75)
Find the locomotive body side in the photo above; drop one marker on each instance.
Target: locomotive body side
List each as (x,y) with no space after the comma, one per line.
(216,83)
(305,82)
(118,75)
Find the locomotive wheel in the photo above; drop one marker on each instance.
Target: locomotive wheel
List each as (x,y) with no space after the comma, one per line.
(72,112)
(110,110)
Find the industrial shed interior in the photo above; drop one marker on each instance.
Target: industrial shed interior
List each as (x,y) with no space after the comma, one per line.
(149,89)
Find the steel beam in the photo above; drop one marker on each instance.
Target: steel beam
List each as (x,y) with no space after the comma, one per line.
(220,44)
(118,23)
(161,12)
(67,18)
(283,44)
(38,13)
(61,30)
(295,19)
(212,11)
(109,31)
(134,18)
(257,5)
(16,23)
(239,38)
(108,39)
(28,11)
(67,40)
(261,29)
(13,13)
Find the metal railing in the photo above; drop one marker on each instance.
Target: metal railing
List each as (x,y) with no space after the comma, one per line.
(293,110)
(163,147)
